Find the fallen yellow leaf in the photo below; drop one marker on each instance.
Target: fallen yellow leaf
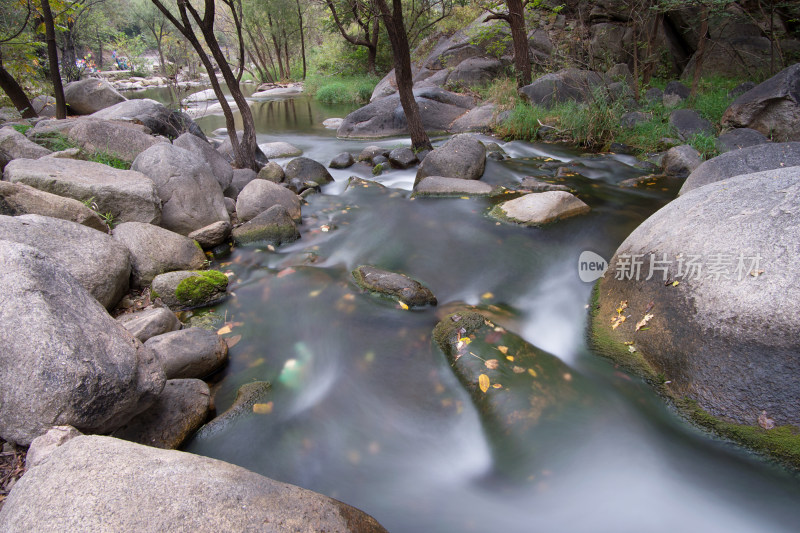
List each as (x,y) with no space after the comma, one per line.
(487,295)
(492,364)
(503,349)
(497,386)
(483,382)
(510,358)
(532,372)
(643,322)
(617,320)
(403,304)
(224,329)
(518,369)
(262,408)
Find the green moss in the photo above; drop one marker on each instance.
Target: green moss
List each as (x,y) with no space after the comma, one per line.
(781,443)
(22,128)
(201,287)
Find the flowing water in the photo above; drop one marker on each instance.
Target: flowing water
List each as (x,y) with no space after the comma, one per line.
(364,408)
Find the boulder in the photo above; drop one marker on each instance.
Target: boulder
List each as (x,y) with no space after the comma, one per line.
(176,415)
(64,361)
(273,226)
(45,106)
(17,146)
(480,118)
(89,95)
(371,152)
(739,138)
(150,322)
(19,199)
(741,56)
(399,287)
(726,335)
(44,445)
(563,86)
(653,94)
(539,208)
(632,119)
(141,488)
(212,235)
(155,116)
(156,250)
(342,160)
(279,149)
(226,149)
(772,107)
(126,194)
(101,265)
(441,186)
(475,71)
(272,171)
(740,89)
(385,117)
(677,88)
(332,123)
(190,352)
(745,161)
(243,176)
(201,96)
(609,42)
(463,157)
(680,161)
(307,170)
(191,196)
(220,168)
(114,138)
(260,195)
(402,157)
(688,122)
(190,288)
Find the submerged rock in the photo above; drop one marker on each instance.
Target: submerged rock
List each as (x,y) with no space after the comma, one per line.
(90,482)
(398,287)
(187,289)
(539,208)
(441,186)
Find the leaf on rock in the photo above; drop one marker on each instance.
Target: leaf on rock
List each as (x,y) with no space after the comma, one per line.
(764,421)
(483,382)
(643,322)
(262,408)
(617,320)
(403,305)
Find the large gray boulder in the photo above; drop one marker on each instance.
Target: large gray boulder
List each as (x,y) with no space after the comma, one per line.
(19,199)
(189,353)
(126,194)
(156,250)
(18,146)
(438,186)
(92,482)
(563,86)
(385,117)
(114,138)
(480,118)
(178,412)
(191,196)
(463,157)
(772,107)
(680,161)
(64,361)
(475,71)
(220,168)
(155,116)
(745,161)
(727,335)
(150,322)
(273,226)
(87,96)
(101,265)
(688,122)
(539,208)
(260,195)
(44,105)
(739,138)
(306,170)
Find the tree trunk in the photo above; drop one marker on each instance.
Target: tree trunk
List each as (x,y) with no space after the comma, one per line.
(52,55)
(160,46)
(302,38)
(701,49)
(519,37)
(286,50)
(393,21)
(16,93)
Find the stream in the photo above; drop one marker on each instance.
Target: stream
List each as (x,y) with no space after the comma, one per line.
(365,408)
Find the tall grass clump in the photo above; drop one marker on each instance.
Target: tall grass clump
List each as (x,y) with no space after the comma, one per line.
(342,90)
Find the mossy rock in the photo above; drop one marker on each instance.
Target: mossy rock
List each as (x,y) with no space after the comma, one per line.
(190,288)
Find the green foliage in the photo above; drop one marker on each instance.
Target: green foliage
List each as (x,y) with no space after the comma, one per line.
(461,17)
(22,128)
(343,90)
(110,160)
(132,48)
(502,92)
(52,140)
(494,38)
(107,217)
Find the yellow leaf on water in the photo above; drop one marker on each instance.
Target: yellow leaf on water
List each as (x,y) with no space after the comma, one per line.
(483,382)
(532,372)
(510,358)
(223,330)
(497,386)
(487,295)
(518,369)
(492,364)
(262,408)
(503,349)
(403,304)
